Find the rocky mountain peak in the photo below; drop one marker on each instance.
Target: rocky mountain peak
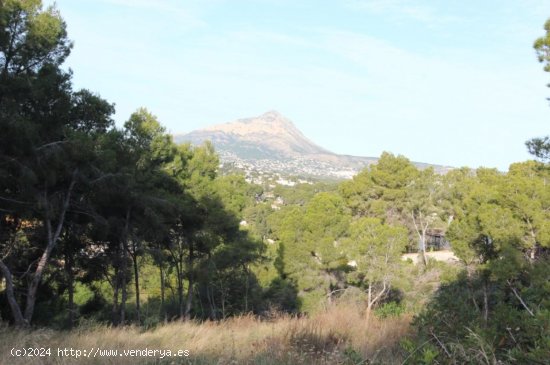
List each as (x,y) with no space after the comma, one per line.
(270,142)
(270,134)
(271,119)
(274,116)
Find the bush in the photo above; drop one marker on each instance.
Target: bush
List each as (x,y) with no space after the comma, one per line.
(479,319)
(390,309)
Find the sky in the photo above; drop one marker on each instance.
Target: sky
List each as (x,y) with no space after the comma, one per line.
(447,82)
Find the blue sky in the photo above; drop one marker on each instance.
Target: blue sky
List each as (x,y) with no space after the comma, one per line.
(447,82)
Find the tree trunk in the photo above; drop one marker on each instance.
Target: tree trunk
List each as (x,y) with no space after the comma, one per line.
(373,299)
(180,297)
(124,291)
(247,284)
(369,303)
(179,273)
(116,286)
(421,232)
(18,318)
(71,304)
(189,301)
(520,299)
(136,281)
(485,303)
(210,296)
(70,285)
(423,245)
(36,279)
(163,313)
(222,297)
(472,295)
(52,238)
(176,252)
(123,247)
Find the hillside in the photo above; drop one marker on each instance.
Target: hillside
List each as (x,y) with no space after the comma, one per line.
(271,143)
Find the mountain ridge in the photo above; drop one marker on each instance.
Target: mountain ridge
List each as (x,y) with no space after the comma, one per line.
(271,142)
(269,131)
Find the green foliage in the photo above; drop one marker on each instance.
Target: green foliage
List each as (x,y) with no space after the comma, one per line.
(542,47)
(31,37)
(375,250)
(281,295)
(235,193)
(390,309)
(395,191)
(100,201)
(380,191)
(308,237)
(258,216)
(353,356)
(540,147)
(496,210)
(460,322)
(424,354)
(300,194)
(495,310)
(375,247)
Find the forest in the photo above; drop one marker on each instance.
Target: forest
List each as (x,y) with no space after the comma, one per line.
(116,228)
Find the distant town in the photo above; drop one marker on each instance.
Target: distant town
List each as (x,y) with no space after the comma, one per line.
(284,172)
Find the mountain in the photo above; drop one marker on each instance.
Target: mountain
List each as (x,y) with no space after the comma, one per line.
(269,136)
(271,143)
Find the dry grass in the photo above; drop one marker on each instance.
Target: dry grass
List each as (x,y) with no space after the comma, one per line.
(339,335)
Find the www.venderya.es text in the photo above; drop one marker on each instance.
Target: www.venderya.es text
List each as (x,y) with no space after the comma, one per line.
(96,352)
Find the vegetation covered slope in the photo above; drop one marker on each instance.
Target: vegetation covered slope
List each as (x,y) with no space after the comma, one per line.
(121,226)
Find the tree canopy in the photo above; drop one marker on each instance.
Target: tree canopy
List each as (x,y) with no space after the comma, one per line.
(540,147)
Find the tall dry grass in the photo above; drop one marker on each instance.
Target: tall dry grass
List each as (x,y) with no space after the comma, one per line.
(339,335)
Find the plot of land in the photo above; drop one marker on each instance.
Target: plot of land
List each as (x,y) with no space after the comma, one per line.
(444,255)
